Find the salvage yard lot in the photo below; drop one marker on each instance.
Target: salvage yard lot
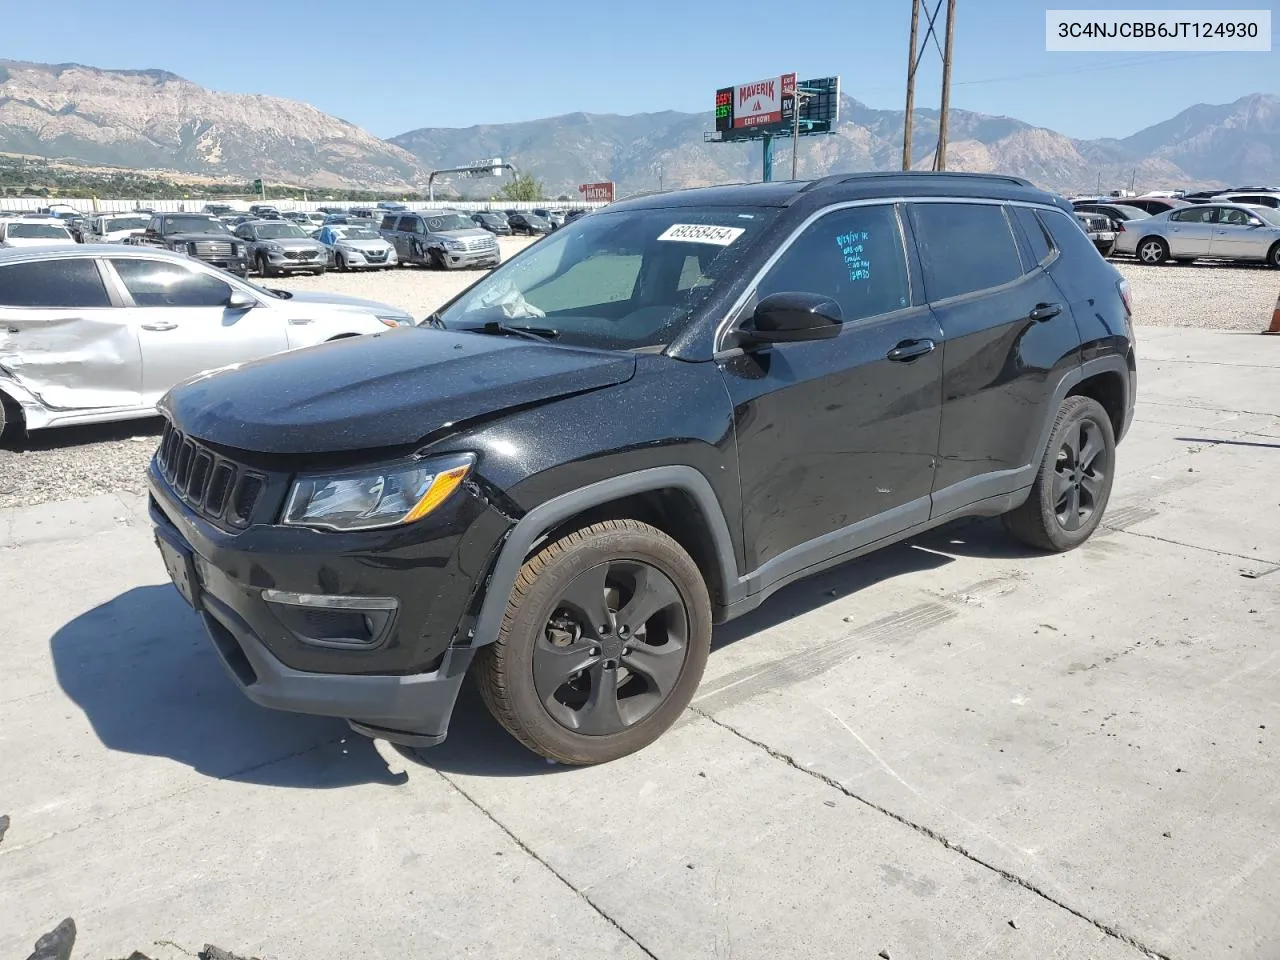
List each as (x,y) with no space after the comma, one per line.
(954,748)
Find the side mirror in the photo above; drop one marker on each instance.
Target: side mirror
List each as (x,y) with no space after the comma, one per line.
(239,300)
(788,317)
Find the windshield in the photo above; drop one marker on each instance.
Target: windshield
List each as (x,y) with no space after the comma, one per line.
(38,231)
(356,233)
(279,231)
(1267,215)
(125,223)
(623,280)
(443,222)
(1131,213)
(195,225)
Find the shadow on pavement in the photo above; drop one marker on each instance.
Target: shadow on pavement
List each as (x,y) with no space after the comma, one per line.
(150,683)
(75,436)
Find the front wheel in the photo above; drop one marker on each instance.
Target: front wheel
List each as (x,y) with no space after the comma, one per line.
(1273,258)
(264,270)
(1073,486)
(602,645)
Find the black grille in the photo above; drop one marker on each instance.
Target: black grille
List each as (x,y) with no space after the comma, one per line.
(375,255)
(215,487)
(301,254)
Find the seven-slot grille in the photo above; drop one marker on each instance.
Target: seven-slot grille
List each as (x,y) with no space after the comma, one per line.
(206,249)
(213,486)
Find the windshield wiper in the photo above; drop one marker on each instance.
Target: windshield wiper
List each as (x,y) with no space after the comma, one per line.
(540,334)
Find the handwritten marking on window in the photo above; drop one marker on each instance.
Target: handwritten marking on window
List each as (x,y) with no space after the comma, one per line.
(852,248)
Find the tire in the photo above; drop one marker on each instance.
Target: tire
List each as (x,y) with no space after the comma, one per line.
(548,676)
(1152,251)
(1054,517)
(1273,256)
(318,273)
(1107,249)
(264,269)
(341,264)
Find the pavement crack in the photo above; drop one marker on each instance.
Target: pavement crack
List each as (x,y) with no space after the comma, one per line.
(1261,561)
(1105,928)
(529,851)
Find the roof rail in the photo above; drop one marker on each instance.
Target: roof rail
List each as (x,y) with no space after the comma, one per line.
(833,179)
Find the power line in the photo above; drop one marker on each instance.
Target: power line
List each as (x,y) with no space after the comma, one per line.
(1145,60)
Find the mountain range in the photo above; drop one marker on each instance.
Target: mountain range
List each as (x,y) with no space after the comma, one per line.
(156,120)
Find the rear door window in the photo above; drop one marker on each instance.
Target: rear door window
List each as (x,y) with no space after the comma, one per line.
(965,248)
(70,283)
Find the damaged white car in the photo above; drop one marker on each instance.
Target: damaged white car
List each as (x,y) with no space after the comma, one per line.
(93,333)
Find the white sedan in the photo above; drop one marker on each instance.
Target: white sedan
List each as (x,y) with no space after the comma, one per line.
(92,333)
(1221,231)
(32,232)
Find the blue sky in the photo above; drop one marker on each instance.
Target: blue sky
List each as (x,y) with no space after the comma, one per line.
(393,65)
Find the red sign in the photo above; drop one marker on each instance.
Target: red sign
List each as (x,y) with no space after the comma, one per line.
(594,192)
(763,102)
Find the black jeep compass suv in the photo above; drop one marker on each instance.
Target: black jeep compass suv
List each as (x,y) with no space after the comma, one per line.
(639,427)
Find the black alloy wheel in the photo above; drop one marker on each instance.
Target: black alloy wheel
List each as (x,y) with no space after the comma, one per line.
(1073,485)
(602,645)
(614,648)
(1080,475)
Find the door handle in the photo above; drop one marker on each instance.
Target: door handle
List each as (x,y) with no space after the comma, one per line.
(1045,311)
(299,323)
(909,350)
(162,325)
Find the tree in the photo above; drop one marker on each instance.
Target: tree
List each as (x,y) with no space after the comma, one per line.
(523,187)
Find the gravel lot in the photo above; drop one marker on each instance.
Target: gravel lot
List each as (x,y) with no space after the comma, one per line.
(80,461)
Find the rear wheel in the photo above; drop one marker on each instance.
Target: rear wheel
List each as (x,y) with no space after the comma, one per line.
(1273,257)
(342,264)
(1153,251)
(1074,483)
(602,646)
(10,418)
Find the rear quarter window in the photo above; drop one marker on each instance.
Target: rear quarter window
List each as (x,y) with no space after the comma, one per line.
(1067,236)
(964,247)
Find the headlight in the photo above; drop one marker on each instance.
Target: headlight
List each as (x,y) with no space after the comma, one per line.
(395,320)
(454,245)
(370,500)
(272,246)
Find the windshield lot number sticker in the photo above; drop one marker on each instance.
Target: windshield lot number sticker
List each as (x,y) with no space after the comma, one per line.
(702,233)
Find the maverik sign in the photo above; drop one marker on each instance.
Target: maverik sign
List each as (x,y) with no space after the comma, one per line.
(762,103)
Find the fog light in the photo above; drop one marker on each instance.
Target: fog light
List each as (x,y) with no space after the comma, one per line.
(325,620)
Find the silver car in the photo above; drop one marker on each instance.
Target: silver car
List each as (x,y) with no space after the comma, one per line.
(1222,231)
(279,246)
(95,332)
(356,248)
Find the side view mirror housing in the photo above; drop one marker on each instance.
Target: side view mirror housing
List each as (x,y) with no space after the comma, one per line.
(790,317)
(239,300)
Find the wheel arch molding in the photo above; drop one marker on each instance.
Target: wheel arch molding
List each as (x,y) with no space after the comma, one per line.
(581,503)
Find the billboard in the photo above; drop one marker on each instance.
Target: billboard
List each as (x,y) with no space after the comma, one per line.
(751,110)
(596,192)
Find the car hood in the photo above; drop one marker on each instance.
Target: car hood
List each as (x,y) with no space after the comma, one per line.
(363,244)
(37,242)
(183,237)
(383,390)
(356,303)
(463,234)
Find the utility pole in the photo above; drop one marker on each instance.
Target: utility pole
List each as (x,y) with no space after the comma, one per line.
(919,45)
(912,62)
(940,162)
(801,97)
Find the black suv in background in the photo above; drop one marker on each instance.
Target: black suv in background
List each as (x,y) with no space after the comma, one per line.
(200,235)
(645,424)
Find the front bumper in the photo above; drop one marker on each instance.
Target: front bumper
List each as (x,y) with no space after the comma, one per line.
(237,265)
(459,259)
(404,686)
(358,260)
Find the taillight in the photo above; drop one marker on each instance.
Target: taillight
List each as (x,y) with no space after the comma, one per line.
(1126,294)
(1119,226)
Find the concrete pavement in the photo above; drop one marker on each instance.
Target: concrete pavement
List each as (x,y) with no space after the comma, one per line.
(954,748)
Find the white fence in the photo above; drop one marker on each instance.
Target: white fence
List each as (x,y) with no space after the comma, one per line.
(100,205)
